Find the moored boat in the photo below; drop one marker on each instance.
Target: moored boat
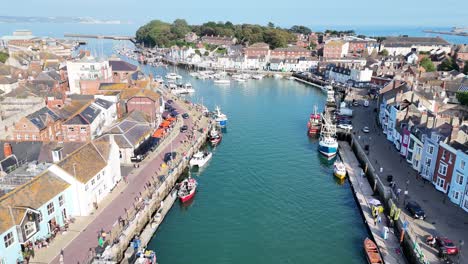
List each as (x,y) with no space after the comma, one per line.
(219,117)
(222,81)
(328,144)
(339,170)
(215,137)
(145,256)
(315,123)
(372,252)
(187,189)
(200,158)
(257,76)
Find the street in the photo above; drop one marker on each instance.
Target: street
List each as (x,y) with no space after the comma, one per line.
(444,218)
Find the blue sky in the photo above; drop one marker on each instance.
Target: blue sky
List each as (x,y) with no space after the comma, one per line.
(284,13)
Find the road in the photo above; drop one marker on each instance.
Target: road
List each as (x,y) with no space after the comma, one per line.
(443,217)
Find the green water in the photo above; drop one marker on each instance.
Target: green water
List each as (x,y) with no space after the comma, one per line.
(267,196)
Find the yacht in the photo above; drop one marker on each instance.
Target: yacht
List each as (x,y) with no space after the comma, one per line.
(172,76)
(222,81)
(158,79)
(200,158)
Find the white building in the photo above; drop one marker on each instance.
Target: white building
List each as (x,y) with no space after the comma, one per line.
(92,171)
(346,75)
(404,45)
(8,84)
(87,69)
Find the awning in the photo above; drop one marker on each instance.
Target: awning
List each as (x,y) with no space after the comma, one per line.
(159,133)
(165,123)
(171,119)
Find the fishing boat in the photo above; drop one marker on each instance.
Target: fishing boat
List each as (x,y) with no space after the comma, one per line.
(215,137)
(315,123)
(372,252)
(145,257)
(328,144)
(219,117)
(187,189)
(292,78)
(339,170)
(200,159)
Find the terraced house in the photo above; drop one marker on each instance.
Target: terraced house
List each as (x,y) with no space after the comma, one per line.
(42,125)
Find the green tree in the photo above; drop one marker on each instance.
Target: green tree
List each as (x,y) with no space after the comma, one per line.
(384,52)
(180,28)
(448,64)
(427,64)
(300,30)
(3,57)
(206,53)
(271,25)
(462,97)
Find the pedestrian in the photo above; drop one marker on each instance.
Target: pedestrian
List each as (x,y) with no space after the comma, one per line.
(379,219)
(61,256)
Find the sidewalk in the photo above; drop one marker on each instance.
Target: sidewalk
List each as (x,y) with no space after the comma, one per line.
(443,217)
(82,235)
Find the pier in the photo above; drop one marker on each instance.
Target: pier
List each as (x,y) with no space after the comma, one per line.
(389,248)
(113,37)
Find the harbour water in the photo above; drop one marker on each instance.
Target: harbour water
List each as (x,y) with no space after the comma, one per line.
(267,196)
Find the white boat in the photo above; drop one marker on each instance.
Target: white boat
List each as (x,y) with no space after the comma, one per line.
(180,89)
(158,79)
(291,78)
(219,117)
(327,88)
(188,87)
(172,76)
(200,158)
(277,76)
(241,80)
(339,170)
(257,76)
(222,81)
(328,144)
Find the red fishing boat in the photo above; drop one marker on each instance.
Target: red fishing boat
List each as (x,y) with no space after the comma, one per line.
(215,137)
(372,252)
(187,189)
(315,123)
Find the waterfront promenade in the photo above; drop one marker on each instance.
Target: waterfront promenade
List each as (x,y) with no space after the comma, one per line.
(443,217)
(389,248)
(81,239)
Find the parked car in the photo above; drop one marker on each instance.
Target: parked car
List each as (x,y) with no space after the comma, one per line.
(169,101)
(183,128)
(447,244)
(366,103)
(415,210)
(365,129)
(345,121)
(137,158)
(169,156)
(345,126)
(185,115)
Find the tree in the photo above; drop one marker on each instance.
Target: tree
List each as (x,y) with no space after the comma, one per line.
(180,28)
(3,57)
(271,25)
(427,64)
(448,64)
(384,53)
(300,30)
(462,97)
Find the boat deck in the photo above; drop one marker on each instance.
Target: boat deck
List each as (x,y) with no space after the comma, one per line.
(363,192)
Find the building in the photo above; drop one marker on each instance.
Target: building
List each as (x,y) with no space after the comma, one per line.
(8,84)
(218,40)
(86,73)
(415,148)
(335,49)
(90,122)
(404,45)
(458,191)
(42,125)
(461,52)
(121,70)
(429,154)
(191,37)
(32,211)
(257,49)
(444,167)
(352,76)
(142,100)
(289,53)
(362,46)
(92,171)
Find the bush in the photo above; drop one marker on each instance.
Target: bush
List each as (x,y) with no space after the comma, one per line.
(462,97)
(3,57)
(427,64)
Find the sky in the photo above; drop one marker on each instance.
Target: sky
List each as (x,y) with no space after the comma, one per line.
(311,13)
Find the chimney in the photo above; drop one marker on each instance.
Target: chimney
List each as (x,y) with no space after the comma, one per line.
(57,154)
(7,150)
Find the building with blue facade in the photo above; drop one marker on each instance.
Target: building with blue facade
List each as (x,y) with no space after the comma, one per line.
(458,193)
(32,211)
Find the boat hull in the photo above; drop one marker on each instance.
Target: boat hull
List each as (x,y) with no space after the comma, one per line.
(328,151)
(340,175)
(221,123)
(187,197)
(313,130)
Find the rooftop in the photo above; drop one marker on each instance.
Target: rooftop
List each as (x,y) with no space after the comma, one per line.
(120,65)
(408,41)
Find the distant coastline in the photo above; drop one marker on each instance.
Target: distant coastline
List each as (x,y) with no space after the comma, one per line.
(77,20)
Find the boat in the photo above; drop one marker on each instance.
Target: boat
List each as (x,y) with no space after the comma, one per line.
(277,76)
(315,123)
(328,144)
(171,76)
(339,170)
(187,189)
(326,88)
(240,79)
(188,87)
(257,76)
(219,117)
(158,79)
(215,137)
(292,78)
(222,81)
(372,252)
(145,256)
(200,159)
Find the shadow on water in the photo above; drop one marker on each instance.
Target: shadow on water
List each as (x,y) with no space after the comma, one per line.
(185,206)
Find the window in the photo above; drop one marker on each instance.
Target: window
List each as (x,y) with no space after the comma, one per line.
(82,129)
(440,182)
(466,204)
(26,137)
(61,200)
(8,239)
(450,159)
(428,162)
(462,165)
(50,208)
(18,137)
(460,178)
(29,229)
(92,182)
(430,150)
(71,129)
(104,187)
(456,195)
(99,176)
(443,169)
(444,154)
(100,191)
(34,137)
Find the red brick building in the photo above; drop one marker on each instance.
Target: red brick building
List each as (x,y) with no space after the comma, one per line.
(143,100)
(42,125)
(257,49)
(444,167)
(335,49)
(121,70)
(357,46)
(290,53)
(461,52)
(218,40)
